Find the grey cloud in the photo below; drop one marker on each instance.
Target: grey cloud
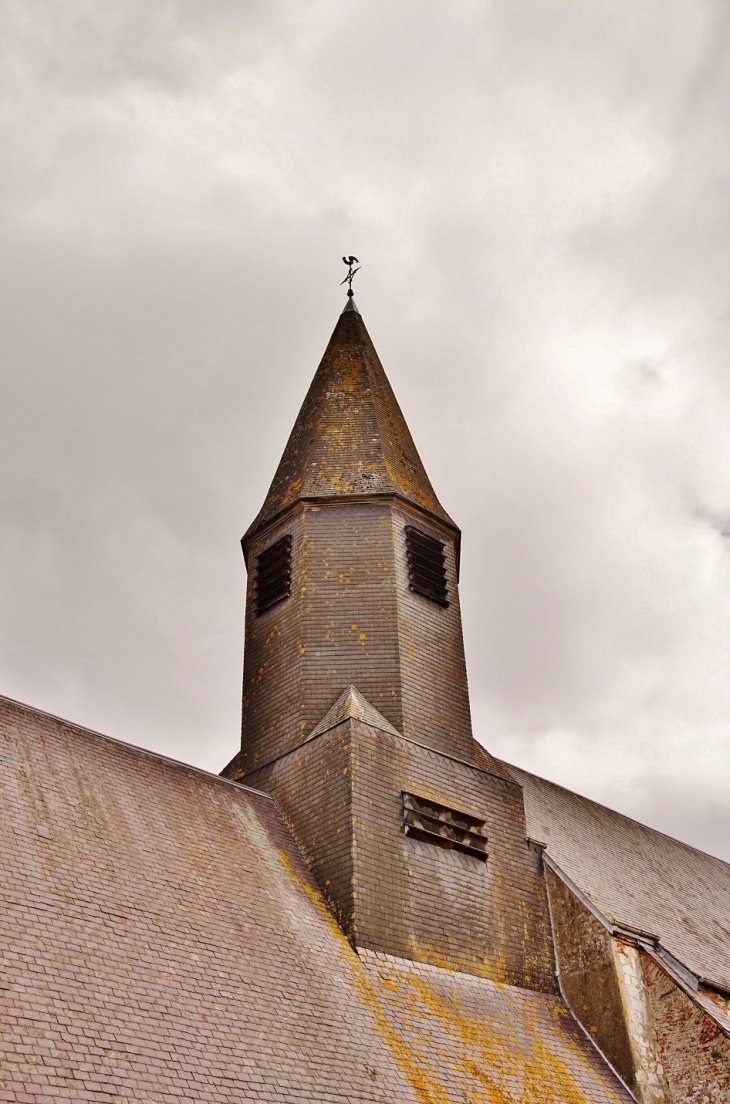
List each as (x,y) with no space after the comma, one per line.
(537,194)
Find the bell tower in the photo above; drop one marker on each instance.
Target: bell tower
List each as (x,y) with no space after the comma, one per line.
(353,571)
(355,701)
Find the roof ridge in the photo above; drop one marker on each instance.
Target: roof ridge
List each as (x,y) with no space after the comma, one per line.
(158,755)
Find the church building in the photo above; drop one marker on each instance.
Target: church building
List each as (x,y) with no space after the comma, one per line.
(366,905)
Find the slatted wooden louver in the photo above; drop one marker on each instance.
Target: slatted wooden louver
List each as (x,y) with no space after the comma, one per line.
(433,823)
(426,566)
(273,575)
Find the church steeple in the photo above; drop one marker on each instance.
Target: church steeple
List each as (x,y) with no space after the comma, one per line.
(353,572)
(350,437)
(355,710)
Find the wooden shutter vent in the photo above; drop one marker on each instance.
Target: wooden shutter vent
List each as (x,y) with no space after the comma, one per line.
(426,566)
(273,575)
(433,823)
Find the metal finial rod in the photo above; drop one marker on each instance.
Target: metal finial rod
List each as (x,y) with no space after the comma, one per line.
(351,270)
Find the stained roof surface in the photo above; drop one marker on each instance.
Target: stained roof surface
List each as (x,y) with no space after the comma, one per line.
(162,940)
(472,1040)
(350,436)
(636,876)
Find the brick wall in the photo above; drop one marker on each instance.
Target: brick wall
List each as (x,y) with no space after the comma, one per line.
(695,1051)
(663,1043)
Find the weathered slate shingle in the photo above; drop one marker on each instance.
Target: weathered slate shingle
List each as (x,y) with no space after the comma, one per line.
(161,939)
(473,1040)
(637,876)
(350,437)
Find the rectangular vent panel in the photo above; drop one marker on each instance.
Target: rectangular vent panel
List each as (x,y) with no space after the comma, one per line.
(426,566)
(273,575)
(433,823)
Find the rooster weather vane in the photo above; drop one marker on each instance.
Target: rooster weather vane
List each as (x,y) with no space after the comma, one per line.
(351,270)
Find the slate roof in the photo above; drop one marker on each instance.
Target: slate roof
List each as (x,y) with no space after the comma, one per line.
(352,705)
(472,1040)
(350,437)
(161,939)
(638,878)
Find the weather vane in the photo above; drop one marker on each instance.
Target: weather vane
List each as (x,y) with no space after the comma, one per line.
(351,270)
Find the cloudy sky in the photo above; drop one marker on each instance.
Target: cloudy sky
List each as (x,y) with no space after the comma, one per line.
(539,194)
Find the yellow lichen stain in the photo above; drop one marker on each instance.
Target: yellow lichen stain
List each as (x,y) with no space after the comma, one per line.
(544,1077)
(397,477)
(494,1092)
(424,1084)
(493,969)
(291,491)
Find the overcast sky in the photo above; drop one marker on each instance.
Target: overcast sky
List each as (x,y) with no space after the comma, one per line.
(539,195)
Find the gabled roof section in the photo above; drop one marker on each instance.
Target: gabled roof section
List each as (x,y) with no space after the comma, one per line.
(350,437)
(158,910)
(351,705)
(165,911)
(638,878)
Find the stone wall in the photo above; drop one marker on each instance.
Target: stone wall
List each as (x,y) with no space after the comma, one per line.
(584,952)
(664,1044)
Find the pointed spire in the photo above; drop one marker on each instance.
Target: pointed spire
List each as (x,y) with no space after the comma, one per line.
(351,704)
(350,437)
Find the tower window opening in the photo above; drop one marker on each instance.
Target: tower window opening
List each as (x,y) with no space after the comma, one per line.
(433,823)
(273,575)
(426,566)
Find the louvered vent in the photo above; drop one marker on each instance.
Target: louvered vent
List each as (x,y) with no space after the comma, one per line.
(433,823)
(426,566)
(273,575)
